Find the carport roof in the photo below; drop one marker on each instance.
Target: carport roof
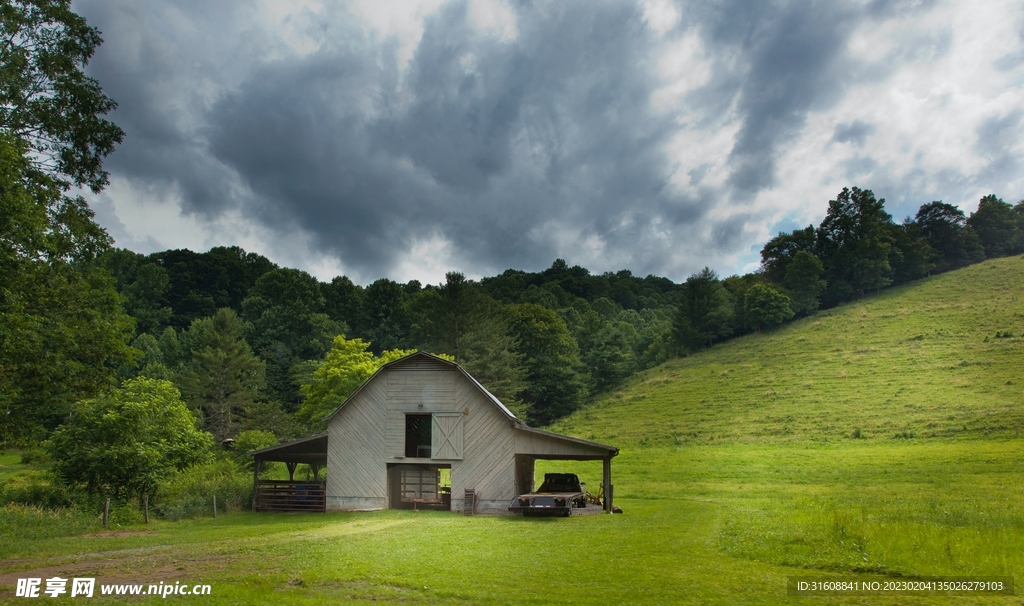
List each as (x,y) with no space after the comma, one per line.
(307,450)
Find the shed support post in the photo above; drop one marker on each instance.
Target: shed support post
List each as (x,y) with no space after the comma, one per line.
(256,482)
(608,484)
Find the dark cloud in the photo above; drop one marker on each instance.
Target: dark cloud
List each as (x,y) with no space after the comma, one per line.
(511,150)
(855,132)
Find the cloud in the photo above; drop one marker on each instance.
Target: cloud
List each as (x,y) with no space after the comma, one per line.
(480,135)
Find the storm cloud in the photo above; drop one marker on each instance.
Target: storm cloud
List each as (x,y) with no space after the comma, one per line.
(478,135)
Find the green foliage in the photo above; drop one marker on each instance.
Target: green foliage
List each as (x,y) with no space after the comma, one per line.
(911,255)
(550,356)
(997,227)
(189,493)
(62,330)
(705,312)
(612,356)
(780,251)
(36,488)
(347,365)
(250,440)
(490,354)
(385,319)
(223,377)
(764,307)
(954,244)
(853,243)
(458,308)
(803,281)
(146,299)
(288,326)
(125,442)
(45,98)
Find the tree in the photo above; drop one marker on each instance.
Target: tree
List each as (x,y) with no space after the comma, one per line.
(347,365)
(385,315)
(944,227)
(853,243)
(46,100)
(288,326)
(554,387)
(996,226)
(491,354)
(62,330)
(705,312)
(780,251)
(612,357)
(223,378)
(910,255)
(764,307)
(146,299)
(803,280)
(125,442)
(456,310)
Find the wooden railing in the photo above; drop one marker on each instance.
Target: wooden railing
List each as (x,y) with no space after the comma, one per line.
(282,495)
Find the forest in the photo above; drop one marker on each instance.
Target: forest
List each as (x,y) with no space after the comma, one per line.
(251,345)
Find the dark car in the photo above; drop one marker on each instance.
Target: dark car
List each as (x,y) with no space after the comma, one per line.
(558,495)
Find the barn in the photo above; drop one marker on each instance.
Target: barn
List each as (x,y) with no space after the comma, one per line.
(422,433)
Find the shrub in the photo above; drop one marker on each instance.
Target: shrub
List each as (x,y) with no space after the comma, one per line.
(190,493)
(36,488)
(32,455)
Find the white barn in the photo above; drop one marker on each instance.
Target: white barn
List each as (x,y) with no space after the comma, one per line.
(389,444)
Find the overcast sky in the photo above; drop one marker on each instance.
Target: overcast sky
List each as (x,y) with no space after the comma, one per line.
(404,139)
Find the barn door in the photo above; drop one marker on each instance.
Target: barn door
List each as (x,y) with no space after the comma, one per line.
(446,438)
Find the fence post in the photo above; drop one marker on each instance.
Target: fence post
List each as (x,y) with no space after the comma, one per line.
(215,506)
(106,511)
(146,499)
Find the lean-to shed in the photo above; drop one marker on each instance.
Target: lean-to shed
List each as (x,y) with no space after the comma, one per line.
(421,432)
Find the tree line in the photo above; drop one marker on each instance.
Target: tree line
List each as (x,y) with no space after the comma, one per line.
(856,249)
(541,341)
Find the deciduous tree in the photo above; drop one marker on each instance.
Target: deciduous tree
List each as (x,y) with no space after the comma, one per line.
(124,442)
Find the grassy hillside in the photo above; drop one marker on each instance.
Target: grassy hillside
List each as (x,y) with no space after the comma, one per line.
(930,359)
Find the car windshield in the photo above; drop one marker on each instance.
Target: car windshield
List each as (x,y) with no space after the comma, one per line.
(560,484)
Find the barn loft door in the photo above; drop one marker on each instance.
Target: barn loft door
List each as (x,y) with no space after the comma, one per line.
(446,439)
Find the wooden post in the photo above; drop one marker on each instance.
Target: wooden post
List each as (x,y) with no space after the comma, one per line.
(146,503)
(106,511)
(256,481)
(215,507)
(608,484)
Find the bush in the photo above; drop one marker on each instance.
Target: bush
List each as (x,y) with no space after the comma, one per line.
(32,455)
(190,493)
(36,488)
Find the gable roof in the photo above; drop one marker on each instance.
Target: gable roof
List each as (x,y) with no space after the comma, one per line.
(516,422)
(433,358)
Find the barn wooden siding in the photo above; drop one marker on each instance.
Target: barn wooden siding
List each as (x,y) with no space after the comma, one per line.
(368,433)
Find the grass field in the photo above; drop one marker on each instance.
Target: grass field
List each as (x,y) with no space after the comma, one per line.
(875,439)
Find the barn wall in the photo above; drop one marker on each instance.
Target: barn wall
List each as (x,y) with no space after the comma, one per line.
(488,463)
(369,432)
(356,467)
(416,387)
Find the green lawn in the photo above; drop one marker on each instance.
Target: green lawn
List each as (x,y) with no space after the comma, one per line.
(739,467)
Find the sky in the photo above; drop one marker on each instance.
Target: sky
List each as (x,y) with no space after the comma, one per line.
(405,139)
